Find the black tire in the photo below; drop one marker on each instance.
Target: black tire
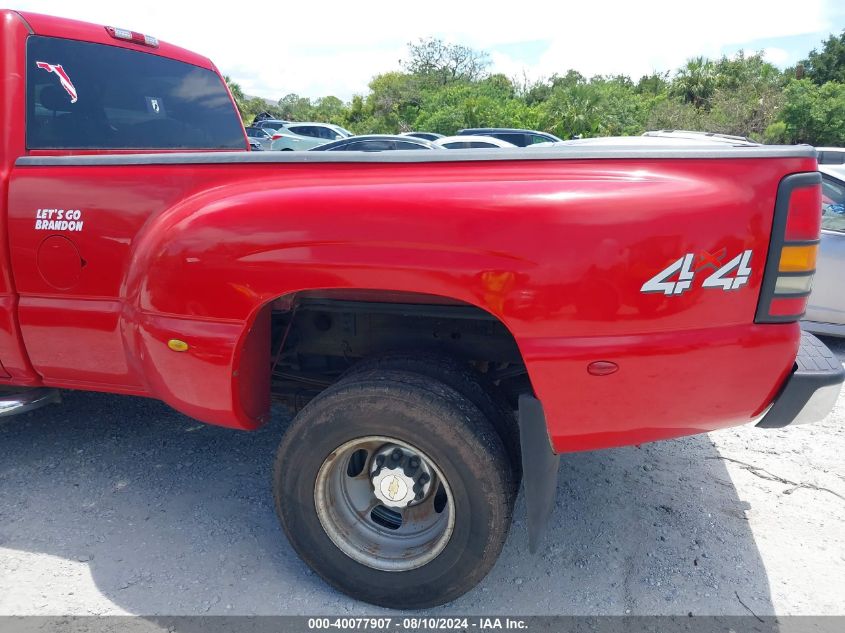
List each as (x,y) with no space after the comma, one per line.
(446,427)
(468,382)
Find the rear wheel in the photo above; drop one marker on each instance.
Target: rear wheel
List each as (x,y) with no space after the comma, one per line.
(461,377)
(395,488)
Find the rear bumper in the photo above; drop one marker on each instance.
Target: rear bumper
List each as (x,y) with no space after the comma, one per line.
(810,392)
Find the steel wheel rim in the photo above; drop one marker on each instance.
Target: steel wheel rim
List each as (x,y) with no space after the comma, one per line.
(345,506)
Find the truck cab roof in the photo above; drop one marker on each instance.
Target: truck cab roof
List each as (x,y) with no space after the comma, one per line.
(50,26)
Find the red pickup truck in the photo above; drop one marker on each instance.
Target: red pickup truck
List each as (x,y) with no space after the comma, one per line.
(444,324)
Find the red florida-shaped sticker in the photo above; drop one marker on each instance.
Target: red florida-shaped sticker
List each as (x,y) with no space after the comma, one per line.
(67,84)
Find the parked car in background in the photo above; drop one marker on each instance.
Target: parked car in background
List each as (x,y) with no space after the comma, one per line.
(694,135)
(375,143)
(514,136)
(428,136)
(254,144)
(260,134)
(305,135)
(269,124)
(833,160)
(667,140)
(826,306)
(262,116)
(471,142)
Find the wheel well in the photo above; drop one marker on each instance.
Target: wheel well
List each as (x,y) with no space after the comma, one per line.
(318,336)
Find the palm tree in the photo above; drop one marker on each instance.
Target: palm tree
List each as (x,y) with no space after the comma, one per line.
(696,81)
(237,93)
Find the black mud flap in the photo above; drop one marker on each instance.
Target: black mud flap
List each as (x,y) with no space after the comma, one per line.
(539,468)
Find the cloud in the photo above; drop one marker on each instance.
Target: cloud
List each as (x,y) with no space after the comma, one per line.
(337,48)
(775,55)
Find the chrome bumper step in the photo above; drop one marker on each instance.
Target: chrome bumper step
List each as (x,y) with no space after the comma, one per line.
(12,403)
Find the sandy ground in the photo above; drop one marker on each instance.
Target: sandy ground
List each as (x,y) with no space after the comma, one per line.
(114,505)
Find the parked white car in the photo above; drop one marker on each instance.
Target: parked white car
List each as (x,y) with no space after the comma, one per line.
(832,159)
(305,135)
(471,142)
(826,306)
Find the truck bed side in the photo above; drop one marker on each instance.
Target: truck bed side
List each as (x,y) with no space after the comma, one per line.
(556,249)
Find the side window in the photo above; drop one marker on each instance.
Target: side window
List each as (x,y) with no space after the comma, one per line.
(313,131)
(520,140)
(367,146)
(407,145)
(536,138)
(456,145)
(94,96)
(326,133)
(831,158)
(481,144)
(833,204)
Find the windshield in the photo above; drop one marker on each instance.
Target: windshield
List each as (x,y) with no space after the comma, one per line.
(84,95)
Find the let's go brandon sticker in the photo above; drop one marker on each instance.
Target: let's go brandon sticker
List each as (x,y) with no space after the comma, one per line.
(58,220)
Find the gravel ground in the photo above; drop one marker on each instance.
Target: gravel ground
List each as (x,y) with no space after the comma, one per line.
(115,505)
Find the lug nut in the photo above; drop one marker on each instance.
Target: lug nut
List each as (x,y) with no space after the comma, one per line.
(396,455)
(380,460)
(424,478)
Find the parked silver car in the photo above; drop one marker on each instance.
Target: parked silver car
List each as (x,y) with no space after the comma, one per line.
(271,125)
(375,143)
(826,307)
(471,142)
(305,135)
(264,136)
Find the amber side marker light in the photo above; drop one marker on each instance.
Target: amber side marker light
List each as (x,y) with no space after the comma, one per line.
(177,346)
(794,245)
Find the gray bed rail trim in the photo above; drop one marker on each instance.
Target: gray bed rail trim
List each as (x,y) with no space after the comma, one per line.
(416,156)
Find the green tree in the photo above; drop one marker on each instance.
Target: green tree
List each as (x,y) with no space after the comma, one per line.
(740,70)
(237,94)
(296,108)
(747,98)
(828,64)
(814,114)
(695,82)
(668,113)
(654,84)
(442,63)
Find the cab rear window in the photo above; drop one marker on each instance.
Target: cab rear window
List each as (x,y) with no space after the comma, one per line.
(92,96)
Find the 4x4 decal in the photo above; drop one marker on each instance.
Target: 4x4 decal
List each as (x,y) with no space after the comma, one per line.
(677,277)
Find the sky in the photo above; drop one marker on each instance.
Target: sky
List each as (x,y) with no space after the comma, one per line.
(336,47)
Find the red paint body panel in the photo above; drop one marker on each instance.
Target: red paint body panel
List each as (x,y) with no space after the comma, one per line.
(556,249)
(13,33)
(50,26)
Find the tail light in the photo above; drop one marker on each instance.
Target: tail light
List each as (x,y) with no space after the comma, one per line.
(276,136)
(794,245)
(132,36)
